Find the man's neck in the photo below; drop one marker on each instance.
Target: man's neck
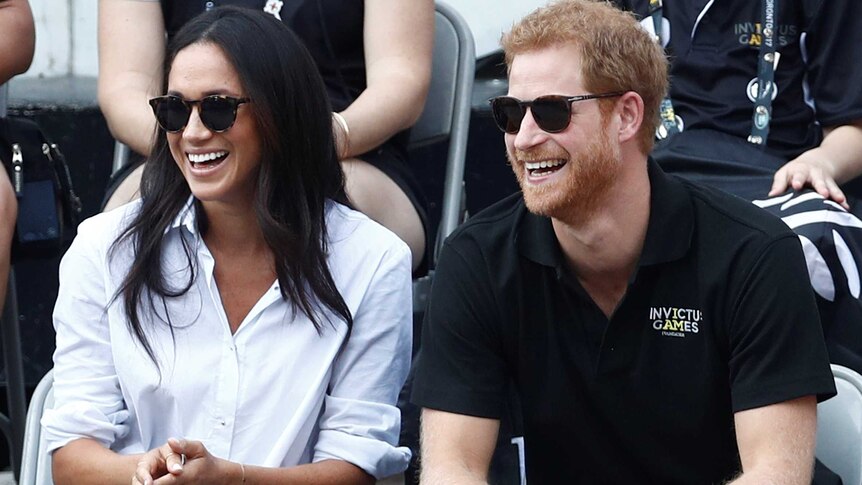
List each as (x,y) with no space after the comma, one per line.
(603,250)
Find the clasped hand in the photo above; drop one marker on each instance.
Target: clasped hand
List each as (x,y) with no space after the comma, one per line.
(180,461)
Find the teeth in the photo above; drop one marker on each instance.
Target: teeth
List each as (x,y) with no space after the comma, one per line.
(544,164)
(205,157)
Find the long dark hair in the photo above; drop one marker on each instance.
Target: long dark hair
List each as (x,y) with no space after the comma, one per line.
(299,170)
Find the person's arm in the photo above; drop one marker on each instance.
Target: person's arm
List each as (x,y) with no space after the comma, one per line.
(18,39)
(202,467)
(837,160)
(89,411)
(456,448)
(359,426)
(86,461)
(398,41)
(131,53)
(776,443)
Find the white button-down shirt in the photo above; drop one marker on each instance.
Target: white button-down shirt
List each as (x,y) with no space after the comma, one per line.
(276,393)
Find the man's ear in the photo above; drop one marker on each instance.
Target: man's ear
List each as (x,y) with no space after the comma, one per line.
(630,108)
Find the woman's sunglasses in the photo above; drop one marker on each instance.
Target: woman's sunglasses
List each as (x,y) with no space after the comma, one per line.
(217,113)
(552,112)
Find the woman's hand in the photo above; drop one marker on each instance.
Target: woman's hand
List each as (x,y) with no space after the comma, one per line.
(182,461)
(157,463)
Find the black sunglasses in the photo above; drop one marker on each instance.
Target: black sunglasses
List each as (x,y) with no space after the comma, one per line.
(552,112)
(217,113)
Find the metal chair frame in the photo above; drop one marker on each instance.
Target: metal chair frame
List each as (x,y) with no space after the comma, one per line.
(447,116)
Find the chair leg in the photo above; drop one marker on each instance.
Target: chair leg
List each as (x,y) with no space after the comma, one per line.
(11,339)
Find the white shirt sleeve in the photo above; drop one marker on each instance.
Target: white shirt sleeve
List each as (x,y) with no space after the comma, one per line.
(88,402)
(360,423)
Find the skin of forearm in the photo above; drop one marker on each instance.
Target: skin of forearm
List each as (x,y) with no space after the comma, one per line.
(129,119)
(843,148)
(453,475)
(334,472)
(370,125)
(86,462)
(775,475)
(18,39)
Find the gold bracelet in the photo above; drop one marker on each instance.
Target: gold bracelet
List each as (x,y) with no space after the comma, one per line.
(242,467)
(346,130)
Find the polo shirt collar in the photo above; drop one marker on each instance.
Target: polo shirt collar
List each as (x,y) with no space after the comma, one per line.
(671,218)
(669,230)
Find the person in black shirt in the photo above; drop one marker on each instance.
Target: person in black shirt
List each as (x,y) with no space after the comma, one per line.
(654,331)
(815,127)
(812,137)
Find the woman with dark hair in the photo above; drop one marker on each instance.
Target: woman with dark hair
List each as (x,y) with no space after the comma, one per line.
(237,324)
(374,57)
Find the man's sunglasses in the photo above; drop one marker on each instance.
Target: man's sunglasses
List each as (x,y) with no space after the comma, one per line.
(217,113)
(552,112)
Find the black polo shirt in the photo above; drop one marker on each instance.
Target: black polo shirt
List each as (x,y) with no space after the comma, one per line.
(714,60)
(719,317)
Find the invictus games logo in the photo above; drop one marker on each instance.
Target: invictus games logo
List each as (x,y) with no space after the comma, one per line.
(751,34)
(675,322)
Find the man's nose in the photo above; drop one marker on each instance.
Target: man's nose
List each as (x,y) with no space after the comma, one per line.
(529,134)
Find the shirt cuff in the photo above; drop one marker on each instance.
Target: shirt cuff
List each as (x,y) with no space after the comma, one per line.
(362,433)
(86,421)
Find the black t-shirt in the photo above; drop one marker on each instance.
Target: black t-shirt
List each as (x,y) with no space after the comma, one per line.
(714,47)
(718,318)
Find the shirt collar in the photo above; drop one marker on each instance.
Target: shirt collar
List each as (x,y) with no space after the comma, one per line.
(186,217)
(669,230)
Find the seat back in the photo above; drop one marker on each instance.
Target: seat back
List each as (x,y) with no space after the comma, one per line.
(36,461)
(839,427)
(447,108)
(4,95)
(446,115)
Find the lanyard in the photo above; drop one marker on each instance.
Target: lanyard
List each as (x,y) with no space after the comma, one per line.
(667,115)
(765,73)
(767,63)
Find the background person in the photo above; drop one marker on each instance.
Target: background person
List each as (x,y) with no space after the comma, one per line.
(236,306)
(374,55)
(17,44)
(815,131)
(814,140)
(655,331)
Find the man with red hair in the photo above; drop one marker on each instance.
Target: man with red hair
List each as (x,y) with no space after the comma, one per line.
(654,331)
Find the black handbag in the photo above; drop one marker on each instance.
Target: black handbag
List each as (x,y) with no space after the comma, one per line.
(47,205)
